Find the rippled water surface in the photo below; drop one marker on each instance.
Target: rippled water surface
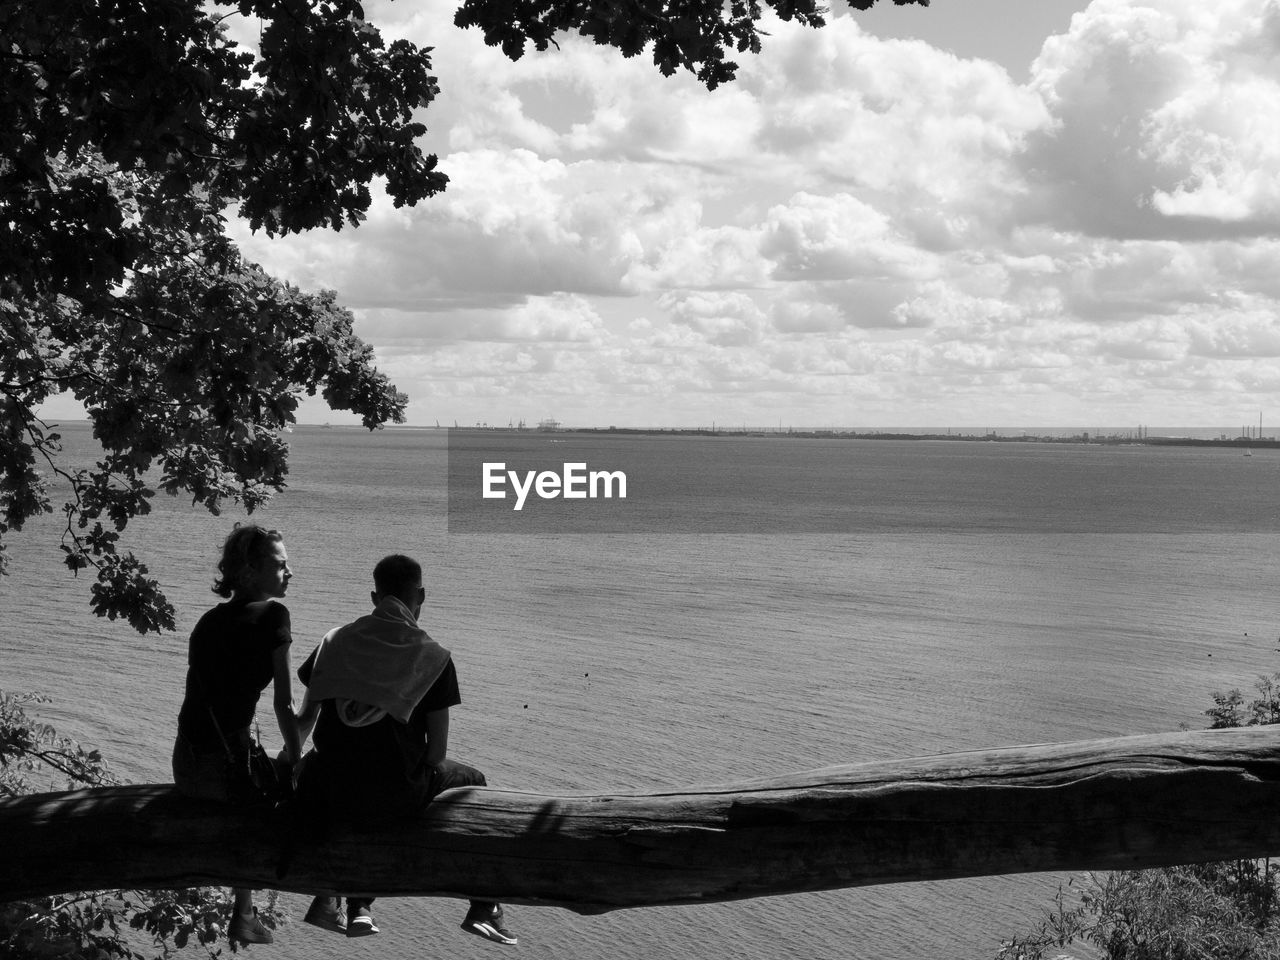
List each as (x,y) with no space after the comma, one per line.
(637,662)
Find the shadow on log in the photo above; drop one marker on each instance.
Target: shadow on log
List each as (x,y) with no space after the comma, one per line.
(1124,803)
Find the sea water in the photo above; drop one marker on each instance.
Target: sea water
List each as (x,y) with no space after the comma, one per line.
(602,663)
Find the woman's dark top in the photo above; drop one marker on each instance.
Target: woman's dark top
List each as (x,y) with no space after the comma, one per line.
(380,769)
(229,665)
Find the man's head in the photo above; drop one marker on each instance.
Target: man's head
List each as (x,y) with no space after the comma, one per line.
(400,577)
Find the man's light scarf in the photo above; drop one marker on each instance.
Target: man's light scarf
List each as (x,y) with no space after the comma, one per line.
(381,665)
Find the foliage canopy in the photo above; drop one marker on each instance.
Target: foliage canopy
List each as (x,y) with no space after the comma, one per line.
(129,131)
(693,35)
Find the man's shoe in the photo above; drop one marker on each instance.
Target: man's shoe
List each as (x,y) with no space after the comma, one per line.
(326,913)
(360,921)
(248,929)
(484,919)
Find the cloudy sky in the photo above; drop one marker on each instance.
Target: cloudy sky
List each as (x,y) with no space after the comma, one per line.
(984,213)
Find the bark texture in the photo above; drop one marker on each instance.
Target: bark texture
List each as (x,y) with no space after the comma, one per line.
(1130,802)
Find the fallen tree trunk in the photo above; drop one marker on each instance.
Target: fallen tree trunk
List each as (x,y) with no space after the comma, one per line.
(1105,804)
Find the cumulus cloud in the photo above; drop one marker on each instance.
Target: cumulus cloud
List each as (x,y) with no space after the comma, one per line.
(1248,331)
(562,318)
(1165,120)
(893,118)
(803,315)
(725,319)
(511,225)
(856,229)
(839,237)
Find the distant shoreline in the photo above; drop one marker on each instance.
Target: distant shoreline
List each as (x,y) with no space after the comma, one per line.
(835,434)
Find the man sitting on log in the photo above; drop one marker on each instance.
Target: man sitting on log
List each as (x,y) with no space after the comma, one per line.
(379,692)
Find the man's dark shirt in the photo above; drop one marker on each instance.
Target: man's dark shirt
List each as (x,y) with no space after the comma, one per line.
(381,769)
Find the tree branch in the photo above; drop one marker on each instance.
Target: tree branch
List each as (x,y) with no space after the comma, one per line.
(1125,803)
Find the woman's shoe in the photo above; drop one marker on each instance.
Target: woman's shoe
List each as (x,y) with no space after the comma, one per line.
(326,913)
(248,929)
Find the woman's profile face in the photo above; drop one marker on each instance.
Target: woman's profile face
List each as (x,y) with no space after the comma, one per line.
(270,576)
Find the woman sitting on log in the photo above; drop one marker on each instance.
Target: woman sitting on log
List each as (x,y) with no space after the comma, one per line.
(236,650)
